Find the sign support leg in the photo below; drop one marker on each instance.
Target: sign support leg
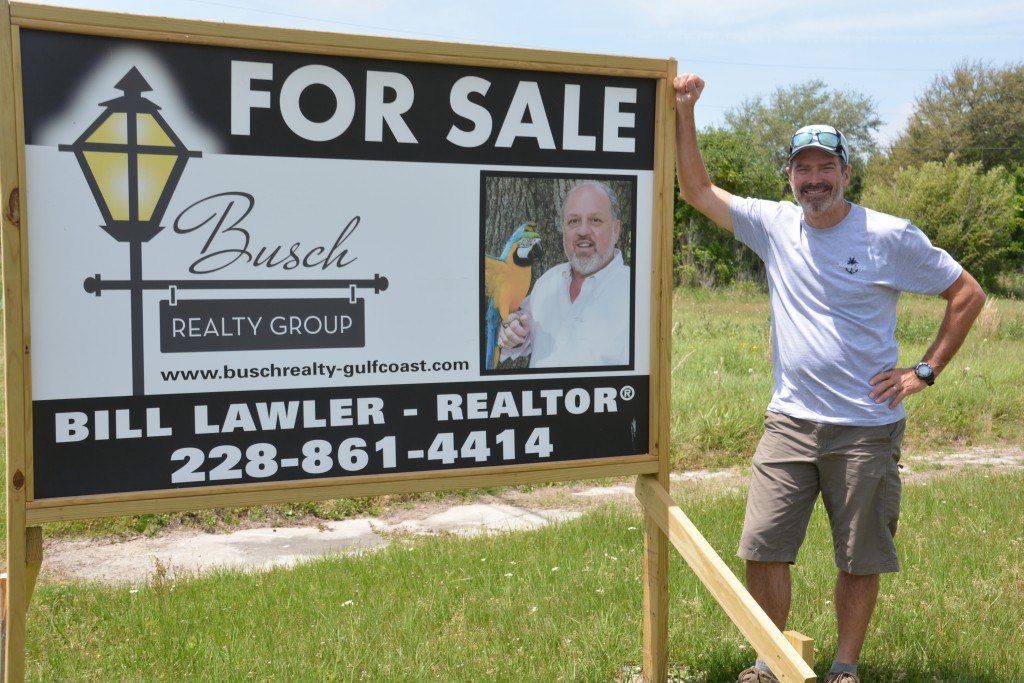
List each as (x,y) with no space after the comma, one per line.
(655,656)
(24,557)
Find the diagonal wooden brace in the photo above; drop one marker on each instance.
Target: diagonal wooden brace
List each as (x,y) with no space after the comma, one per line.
(786,663)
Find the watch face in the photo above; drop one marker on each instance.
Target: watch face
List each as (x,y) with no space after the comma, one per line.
(924,371)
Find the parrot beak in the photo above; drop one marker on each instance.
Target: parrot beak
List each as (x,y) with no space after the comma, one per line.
(529,250)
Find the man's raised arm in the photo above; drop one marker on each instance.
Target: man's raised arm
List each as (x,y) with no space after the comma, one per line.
(694,182)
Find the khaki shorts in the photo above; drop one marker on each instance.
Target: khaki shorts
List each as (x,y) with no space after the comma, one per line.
(856,471)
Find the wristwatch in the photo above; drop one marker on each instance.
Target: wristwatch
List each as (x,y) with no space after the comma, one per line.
(925,373)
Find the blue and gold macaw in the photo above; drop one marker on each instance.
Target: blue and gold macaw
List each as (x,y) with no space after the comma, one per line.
(507,281)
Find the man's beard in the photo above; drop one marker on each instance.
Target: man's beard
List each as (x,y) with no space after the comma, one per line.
(819,203)
(588,265)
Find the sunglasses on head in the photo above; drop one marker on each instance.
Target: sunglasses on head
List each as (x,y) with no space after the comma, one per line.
(824,138)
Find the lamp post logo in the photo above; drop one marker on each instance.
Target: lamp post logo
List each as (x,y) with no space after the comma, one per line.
(133,161)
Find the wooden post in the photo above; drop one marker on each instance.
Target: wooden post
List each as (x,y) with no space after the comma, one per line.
(655,658)
(17,475)
(655,636)
(16,600)
(744,611)
(803,645)
(33,562)
(3,624)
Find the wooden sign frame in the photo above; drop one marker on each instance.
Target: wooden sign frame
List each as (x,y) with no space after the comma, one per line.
(80,428)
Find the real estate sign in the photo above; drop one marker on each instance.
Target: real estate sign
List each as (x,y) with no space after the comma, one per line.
(261,260)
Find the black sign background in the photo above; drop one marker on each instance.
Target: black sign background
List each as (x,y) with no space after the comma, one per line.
(232,321)
(89,467)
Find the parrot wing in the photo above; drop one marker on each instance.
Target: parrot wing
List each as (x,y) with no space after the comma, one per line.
(494,271)
(506,285)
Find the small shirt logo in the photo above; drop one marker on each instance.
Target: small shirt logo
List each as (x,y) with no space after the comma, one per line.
(852,266)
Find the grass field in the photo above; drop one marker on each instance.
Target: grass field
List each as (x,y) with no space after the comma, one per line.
(560,604)
(564,603)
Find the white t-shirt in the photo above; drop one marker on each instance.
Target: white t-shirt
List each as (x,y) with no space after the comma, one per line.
(833,300)
(592,330)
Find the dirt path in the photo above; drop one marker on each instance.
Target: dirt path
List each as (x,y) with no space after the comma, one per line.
(187,553)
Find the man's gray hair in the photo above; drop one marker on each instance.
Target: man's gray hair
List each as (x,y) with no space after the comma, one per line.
(613,198)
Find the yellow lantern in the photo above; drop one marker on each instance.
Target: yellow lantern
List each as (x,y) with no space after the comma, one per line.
(132,161)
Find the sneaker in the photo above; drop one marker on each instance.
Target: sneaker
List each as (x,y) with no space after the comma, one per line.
(755,675)
(841,677)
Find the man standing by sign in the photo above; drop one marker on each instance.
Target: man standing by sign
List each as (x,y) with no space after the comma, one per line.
(836,418)
(578,312)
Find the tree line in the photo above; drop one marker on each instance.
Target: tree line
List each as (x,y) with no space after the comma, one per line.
(956,171)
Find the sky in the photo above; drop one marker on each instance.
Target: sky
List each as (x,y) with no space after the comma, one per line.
(888,51)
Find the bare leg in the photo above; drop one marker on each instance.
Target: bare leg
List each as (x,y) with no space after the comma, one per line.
(770,585)
(855,603)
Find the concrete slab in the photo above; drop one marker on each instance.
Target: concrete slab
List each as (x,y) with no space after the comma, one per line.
(189,553)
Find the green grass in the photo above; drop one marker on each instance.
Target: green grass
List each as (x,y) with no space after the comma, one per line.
(560,604)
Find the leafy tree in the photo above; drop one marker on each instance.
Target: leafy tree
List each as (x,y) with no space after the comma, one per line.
(1016,256)
(704,253)
(770,124)
(975,113)
(971,213)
